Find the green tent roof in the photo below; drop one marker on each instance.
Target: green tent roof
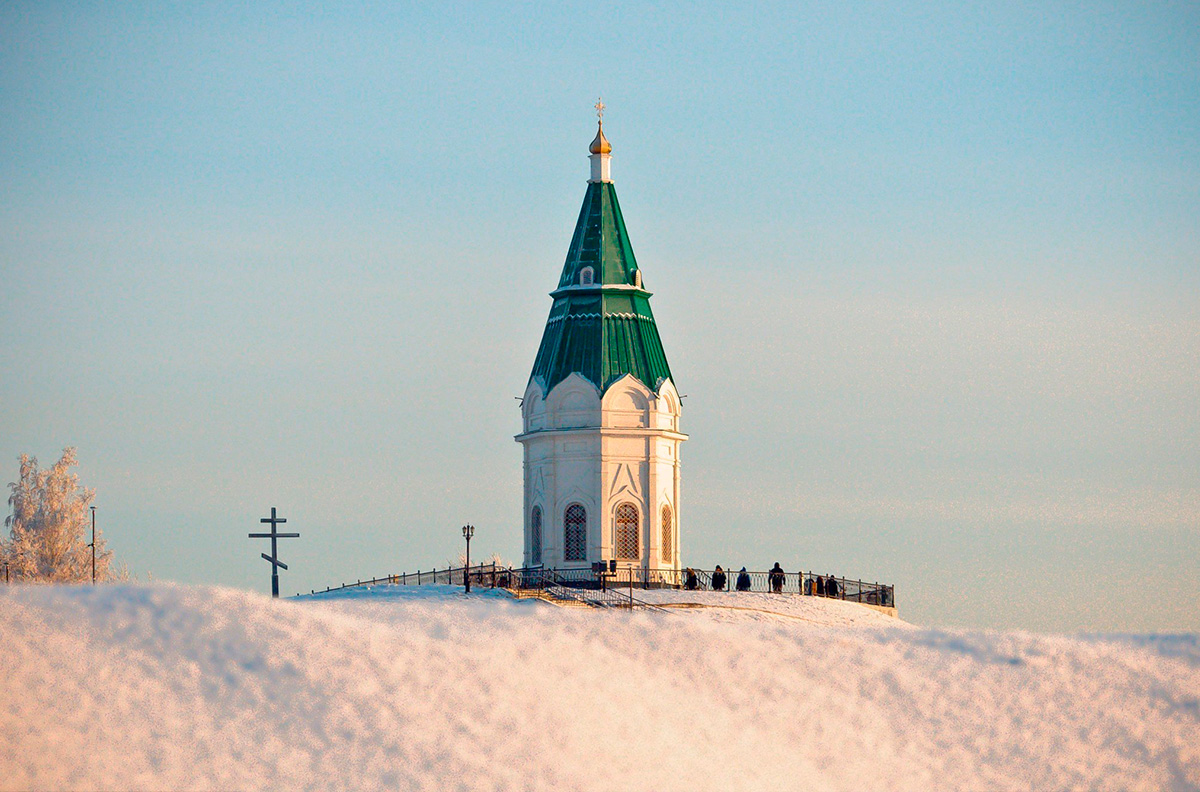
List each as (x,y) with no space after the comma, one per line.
(604,330)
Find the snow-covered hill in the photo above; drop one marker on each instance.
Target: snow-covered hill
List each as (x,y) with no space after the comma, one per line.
(165,687)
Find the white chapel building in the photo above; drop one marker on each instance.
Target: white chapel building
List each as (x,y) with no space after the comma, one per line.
(601,412)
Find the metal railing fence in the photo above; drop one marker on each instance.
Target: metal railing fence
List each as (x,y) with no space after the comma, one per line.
(566,581)
(802,583)
(489,575)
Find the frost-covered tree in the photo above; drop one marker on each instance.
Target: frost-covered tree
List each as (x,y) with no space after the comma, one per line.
(49,525)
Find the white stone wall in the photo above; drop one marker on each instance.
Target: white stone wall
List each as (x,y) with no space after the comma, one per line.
(601,453)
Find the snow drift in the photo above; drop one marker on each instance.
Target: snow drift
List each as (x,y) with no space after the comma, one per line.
(153,687)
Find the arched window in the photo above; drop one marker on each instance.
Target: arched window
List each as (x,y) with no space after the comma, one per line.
(575,533)
(586,276)
(628,546)
(668,533)
(535,536)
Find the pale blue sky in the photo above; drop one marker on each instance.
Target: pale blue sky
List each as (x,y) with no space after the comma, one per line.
(930,276)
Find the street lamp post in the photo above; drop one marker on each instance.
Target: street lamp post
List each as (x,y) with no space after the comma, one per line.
(93,545)
(468,532)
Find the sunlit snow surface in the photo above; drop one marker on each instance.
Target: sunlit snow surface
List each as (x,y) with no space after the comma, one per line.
(164,687)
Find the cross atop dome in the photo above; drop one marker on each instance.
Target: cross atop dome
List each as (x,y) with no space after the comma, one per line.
(601,149)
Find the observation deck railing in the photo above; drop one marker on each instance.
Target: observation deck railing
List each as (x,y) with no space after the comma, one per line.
(489,575)
(569,583)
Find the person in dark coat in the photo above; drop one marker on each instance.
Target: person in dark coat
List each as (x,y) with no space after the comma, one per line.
(776,576)
(831,586)
(743,580)
(689,580)
(718,579)
(820,586)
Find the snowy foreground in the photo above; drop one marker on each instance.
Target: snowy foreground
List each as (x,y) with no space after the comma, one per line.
(165,687)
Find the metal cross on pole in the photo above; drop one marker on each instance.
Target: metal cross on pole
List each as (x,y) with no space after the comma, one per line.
(274,536)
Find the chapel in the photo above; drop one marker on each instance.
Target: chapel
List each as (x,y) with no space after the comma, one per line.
(600,415)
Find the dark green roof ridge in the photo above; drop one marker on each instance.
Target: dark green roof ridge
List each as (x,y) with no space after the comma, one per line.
(606,330)
(600,240)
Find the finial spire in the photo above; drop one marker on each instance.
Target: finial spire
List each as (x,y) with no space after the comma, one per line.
(601,149)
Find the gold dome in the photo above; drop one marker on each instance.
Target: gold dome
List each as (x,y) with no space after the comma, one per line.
(600,145)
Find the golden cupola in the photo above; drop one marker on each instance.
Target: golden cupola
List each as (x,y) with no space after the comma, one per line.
(600,145)
(601,150)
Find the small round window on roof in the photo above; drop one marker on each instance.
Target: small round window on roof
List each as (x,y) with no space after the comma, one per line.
(585,276)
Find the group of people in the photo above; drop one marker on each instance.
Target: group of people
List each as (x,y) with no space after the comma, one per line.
(820,586)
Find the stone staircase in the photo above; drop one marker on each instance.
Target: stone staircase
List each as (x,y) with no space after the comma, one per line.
(546,595)
(569,597)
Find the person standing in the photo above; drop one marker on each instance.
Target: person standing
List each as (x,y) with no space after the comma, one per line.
(820,586)
(718,579)
(831,586)
(743,580)
(776,577)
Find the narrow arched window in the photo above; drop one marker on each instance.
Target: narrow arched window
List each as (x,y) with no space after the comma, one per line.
(575,533)
(668,533)
(628,546)
(586,276)
(535,536)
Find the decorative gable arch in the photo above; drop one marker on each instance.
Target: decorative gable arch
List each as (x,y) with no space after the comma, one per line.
(627,403)
(573,402)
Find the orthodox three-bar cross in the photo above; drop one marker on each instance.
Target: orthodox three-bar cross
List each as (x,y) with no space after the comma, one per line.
(274,536)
